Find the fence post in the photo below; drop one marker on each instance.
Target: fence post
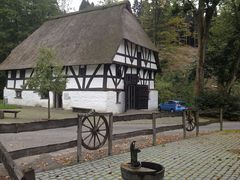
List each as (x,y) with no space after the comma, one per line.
(196,114)
(12,168)
(28,174)
(221,119)
(79,139)
(184,123)
(154,129)
(110,124)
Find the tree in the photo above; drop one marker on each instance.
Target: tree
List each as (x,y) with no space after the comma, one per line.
(223,60)
(163,22)
(107,2)
(85,4)
(47,75)
(20,18)
(203,13)
(137,6)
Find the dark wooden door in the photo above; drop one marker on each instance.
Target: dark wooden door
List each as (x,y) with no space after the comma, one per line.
(57,100)
(131,81)
(142,97)
(131,96)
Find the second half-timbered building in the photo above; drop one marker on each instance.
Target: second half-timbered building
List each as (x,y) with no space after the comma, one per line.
(109,62)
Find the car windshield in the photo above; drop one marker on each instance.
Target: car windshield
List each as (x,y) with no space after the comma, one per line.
(182,103)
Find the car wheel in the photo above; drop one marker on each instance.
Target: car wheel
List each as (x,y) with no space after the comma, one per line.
(159,109)
(171,110)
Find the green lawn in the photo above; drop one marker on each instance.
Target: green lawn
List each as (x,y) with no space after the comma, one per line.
(8,106)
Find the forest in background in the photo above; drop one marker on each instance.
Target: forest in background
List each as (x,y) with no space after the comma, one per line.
(198,41)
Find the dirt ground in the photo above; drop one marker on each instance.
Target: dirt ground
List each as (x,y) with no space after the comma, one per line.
(32,114)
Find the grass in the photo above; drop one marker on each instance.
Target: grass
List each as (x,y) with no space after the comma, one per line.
(8,106)
(232,131)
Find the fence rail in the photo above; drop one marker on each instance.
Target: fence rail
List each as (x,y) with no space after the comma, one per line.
(52,124)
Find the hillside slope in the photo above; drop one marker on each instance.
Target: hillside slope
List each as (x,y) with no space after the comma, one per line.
(177,58)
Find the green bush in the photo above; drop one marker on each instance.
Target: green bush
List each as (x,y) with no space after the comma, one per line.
(210,99)
(175,85)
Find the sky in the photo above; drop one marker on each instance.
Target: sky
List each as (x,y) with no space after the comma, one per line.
(73,5)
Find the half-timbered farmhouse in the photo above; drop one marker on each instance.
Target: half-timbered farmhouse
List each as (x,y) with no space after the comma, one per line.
(109,61)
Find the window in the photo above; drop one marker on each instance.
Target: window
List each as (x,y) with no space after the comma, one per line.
(118,71)
(82,70)
(13,74)
(117,98)
(18,94)
(22,73)
(45,96)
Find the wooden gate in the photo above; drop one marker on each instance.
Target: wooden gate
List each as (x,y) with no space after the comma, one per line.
(142,97)
(136,95)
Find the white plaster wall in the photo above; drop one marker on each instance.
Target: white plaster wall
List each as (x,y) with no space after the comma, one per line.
(76,69)
(153,66)
(18,74)
(101,70)
(101,101)
(96,83)
(29,98)
(121,85)
(28,72)
(71,83)
(121,48)
(91,69)
(153,100)
(113,69)
(112,106)
(119,58)
(151,86)
(110,83)
(134,62)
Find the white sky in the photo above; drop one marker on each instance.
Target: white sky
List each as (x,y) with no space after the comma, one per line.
(73,5)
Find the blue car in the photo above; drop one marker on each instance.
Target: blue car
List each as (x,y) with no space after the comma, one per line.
(173,106)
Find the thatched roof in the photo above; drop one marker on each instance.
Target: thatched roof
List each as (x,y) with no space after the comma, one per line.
(85,37)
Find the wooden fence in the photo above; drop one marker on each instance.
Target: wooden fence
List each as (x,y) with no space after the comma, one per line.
(13,170)
(52,124)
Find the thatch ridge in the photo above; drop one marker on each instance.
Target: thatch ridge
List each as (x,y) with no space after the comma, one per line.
(90,9)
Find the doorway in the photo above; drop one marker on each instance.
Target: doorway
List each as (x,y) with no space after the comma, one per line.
(57,100)
(136,96)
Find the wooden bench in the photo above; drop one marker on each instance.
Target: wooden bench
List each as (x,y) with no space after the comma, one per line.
(12,112)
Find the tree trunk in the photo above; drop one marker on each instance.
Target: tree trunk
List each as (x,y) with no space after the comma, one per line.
(49,106)
(201,49)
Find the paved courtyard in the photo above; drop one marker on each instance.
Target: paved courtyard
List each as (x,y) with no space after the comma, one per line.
(214,156)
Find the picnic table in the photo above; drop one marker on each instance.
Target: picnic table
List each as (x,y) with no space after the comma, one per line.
(10,111)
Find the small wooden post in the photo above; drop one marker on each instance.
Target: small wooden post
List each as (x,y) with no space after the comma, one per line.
(12,168)
(196,115)
(1,115)
(154,129)
(28,174)
(110,134)
(221,119)
(79,139)
(184,123)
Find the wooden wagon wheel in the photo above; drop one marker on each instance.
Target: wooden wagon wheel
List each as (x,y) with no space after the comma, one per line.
(94,131)
(190,123)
